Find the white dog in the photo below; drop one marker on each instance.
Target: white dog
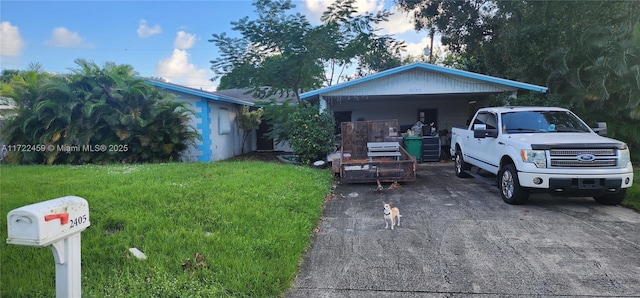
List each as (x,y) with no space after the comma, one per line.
(391,215)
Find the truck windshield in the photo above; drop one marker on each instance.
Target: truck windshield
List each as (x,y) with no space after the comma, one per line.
(541,121)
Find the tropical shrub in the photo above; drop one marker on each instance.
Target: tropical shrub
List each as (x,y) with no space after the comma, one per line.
(248,120)
(94,115)
(309,131)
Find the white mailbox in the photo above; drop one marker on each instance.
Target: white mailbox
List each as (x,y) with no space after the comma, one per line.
(56,223)
(44,223)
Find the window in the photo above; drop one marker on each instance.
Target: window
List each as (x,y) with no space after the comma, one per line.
(542,121)
(224,122)
(488,119)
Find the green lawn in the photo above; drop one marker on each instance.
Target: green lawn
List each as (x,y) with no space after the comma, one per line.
(632,200)
(233,228)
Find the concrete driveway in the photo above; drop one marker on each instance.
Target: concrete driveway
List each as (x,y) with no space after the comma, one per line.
(458,239)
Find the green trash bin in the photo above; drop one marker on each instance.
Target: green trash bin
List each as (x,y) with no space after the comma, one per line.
(413,144)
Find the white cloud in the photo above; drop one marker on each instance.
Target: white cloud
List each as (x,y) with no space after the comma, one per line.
(177,68)
(317,7)
(417,49)
(145,31)
(11,43)
(63,38)
(184,40)
(399,22)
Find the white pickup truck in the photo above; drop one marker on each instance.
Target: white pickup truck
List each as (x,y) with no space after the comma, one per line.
(541,149)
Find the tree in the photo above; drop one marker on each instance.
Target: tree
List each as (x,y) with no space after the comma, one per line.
(600,78)
(351,38)
(275,51)
(94,115)
(462,24)
(510,39)
(282,53)
(248,121)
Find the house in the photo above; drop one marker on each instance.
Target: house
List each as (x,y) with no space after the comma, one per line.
(415,92)
(263,142)
(215,120)
(410,93)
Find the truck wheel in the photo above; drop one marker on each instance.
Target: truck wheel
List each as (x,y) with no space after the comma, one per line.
(461,165)
(510,189)
(612,199)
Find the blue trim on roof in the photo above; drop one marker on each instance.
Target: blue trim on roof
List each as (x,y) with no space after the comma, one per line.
(199,93)
(427,66)
(205,127)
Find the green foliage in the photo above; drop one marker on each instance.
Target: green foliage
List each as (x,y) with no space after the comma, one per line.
(224,229)
(248,120)
(277,115)
(509,39)
(95,115)
(600,78)
(587,52)
(309,132)
(281,53)
(527,99)
(275,50)
(350,37)
(632,200)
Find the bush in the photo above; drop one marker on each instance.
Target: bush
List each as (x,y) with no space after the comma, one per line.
(95,115)
(310,132)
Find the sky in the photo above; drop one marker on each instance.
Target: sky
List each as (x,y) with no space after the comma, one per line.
(167,39)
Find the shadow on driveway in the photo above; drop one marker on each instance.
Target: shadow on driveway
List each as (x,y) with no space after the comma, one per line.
(458,239)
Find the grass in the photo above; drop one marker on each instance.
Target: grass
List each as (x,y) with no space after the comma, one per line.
(234,228)
(632,200)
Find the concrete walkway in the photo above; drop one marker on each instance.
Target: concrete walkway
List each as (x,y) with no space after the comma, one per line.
(458,239)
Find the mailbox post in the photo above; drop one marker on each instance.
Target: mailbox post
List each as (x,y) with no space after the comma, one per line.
(56,223)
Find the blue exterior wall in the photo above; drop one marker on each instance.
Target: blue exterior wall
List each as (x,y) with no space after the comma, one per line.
(205,128)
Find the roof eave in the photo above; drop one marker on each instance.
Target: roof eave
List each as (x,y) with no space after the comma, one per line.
(199,93)
(467,74)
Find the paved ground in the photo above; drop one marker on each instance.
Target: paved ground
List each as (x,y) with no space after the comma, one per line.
(458,239)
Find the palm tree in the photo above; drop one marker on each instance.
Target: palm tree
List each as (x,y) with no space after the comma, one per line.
(108,106)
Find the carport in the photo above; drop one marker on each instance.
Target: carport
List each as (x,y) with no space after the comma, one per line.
(415,92)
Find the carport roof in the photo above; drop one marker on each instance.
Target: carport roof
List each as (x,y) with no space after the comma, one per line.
(427,67)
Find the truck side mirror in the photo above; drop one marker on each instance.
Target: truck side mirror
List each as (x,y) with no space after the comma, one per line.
(485,133)
(600,128)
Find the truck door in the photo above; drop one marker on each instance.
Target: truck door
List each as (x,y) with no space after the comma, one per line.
(491,143)
(472,146)
(484,153)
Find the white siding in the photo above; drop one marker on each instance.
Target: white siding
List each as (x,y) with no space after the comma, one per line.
(419,81)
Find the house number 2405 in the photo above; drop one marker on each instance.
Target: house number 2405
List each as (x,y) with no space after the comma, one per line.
(78,220)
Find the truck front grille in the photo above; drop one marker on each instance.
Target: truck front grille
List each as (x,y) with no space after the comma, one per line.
(569,158)
(576,152)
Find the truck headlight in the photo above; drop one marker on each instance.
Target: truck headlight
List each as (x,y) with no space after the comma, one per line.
(625,158)
(537,157)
